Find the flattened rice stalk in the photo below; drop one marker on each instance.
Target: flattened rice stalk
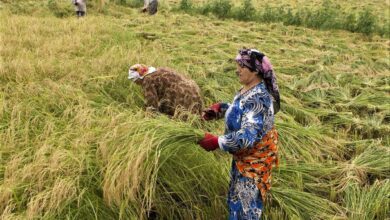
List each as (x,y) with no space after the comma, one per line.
(369,202)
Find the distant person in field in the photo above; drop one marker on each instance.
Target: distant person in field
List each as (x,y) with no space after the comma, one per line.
(250,135)
(150,6)
(80,7)
(165,90)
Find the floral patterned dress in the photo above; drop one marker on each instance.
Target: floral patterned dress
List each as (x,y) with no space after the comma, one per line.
(247,120)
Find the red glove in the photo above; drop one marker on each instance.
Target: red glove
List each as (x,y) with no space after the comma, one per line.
(212,112)
(209,142)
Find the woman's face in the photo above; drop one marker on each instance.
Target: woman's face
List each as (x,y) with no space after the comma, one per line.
(245,75)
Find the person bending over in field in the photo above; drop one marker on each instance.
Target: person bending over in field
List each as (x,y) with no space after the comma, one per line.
(165,90)
(150,6)
(80,7)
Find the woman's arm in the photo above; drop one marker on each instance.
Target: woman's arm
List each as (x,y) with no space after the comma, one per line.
(251,130)
(215,111)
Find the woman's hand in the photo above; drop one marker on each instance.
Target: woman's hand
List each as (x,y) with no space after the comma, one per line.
(209,142)
(212,112)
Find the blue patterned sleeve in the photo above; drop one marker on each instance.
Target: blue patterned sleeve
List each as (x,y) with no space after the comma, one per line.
(224,107)
(251,130)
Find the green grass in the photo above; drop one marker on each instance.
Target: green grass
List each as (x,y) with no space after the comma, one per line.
(75,141)
(325,15)
(348,6)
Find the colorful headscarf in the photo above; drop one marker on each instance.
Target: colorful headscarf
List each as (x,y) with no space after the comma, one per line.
(139,71)
(258,62)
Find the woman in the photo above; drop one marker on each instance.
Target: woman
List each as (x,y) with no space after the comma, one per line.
(80,7)
(250,135)
(150,6)
(166,91)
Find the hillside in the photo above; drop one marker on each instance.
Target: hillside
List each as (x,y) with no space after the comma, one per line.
(76,143)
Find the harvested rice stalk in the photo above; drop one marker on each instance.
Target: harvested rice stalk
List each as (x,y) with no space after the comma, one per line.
(365,168)
(304,205)
(370,202)
(143,151)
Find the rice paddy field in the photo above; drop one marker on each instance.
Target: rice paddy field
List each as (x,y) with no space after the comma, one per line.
(379,7)
(77,143)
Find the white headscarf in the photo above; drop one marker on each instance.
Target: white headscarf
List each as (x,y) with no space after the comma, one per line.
(139,71)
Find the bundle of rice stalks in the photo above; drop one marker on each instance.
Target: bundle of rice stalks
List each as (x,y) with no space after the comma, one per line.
(337,96)
(194,183)
(362,128)
(368,102)
(357,147)
(318,79)
(369,202)
(365,168)
(317,99)
(315,178)
(311,144)
(294,107)
(371,127)
(154,162)
(296,204)
(336,119)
